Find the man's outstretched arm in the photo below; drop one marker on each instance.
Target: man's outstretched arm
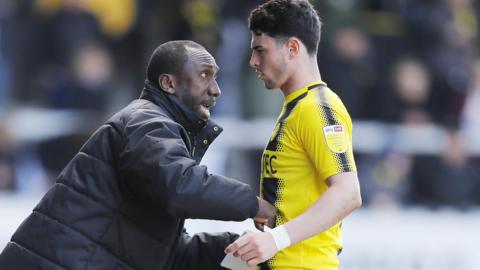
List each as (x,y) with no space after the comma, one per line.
(200,250)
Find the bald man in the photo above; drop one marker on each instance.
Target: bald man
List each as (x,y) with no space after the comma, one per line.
(122,200)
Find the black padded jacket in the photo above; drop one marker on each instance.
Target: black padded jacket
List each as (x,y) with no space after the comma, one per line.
(121,202)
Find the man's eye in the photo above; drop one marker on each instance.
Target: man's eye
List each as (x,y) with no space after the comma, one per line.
(204,75)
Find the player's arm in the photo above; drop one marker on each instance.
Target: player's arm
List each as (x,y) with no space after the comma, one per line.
(330,150)
(341,198)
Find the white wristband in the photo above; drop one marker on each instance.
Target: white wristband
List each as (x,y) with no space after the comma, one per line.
(281,237)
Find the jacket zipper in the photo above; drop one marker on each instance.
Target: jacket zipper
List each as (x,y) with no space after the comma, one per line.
(194,145)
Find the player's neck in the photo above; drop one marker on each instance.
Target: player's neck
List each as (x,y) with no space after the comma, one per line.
(303,75)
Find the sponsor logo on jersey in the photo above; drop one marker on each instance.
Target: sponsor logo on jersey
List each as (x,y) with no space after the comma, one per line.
(336,138)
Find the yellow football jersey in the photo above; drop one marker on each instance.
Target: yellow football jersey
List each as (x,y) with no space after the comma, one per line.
(311,141)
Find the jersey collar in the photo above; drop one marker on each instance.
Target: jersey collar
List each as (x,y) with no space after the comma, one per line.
(300,91)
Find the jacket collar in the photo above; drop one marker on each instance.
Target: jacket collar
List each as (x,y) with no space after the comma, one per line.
(178,111)
(201,133)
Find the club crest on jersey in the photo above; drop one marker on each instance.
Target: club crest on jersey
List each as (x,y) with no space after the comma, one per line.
(336,138)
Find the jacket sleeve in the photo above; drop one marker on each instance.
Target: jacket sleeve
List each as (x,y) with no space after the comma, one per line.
(158,169)
(202,249)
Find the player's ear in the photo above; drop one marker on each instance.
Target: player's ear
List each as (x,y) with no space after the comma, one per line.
(167,83)
(293,46)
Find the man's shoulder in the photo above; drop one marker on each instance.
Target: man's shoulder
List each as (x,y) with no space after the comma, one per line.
(141,112)
(143,109)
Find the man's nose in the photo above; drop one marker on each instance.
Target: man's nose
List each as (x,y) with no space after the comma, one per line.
(253,61)
(214,89)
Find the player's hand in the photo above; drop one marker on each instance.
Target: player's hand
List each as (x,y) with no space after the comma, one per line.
(265,215)
(253,248)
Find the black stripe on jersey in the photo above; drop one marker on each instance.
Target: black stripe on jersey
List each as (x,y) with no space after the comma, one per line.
(265,266)
(270,187)
(274,144)
(332,120)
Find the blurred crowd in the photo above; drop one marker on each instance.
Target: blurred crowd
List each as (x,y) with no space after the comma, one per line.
(404,62)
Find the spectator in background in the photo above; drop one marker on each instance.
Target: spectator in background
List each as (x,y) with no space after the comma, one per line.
(52,43)
(87,84)
(115,17)
(122,200)
(385,178)
(388,174)
(336,14)
(202,18)
(451,179)
(349,68)
(231,51)
(411,92)
(443,34)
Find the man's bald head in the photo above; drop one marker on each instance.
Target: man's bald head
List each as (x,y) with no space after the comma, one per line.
(170,58)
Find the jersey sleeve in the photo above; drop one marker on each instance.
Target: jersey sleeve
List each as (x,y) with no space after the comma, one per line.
(325,132)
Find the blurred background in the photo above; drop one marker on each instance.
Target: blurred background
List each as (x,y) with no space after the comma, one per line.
(407,70)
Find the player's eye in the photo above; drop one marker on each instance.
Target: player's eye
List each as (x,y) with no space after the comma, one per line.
(204,75)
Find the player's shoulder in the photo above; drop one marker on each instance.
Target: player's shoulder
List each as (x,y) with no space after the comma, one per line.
(323,98)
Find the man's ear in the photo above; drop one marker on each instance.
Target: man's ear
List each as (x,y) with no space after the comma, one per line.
(294,46)
(167,83)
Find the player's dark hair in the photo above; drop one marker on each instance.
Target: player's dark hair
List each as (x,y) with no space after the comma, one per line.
(169,58)
(282,19)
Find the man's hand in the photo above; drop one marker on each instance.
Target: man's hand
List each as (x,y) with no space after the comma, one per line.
(253,248)
(265,215)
